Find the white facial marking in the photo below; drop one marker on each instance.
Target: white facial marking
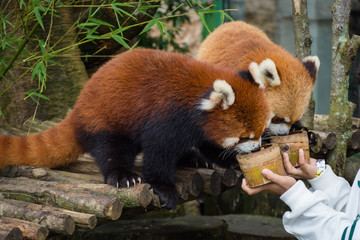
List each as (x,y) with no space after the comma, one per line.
(230,142)
(279,128)
(248,146)
(287,119)
(252,135)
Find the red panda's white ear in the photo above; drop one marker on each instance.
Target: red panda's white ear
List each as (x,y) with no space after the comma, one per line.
(312,65)
(265,74)
(222,93)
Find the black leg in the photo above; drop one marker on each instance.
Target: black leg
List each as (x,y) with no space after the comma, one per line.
(158,170)
(115,155)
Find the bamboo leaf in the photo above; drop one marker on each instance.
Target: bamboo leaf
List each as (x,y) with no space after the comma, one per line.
(121,11)
(1,113)
(42,96)
(38,17)
(101,22)
(42,47)
(120,40)
(149,25)
(204,22)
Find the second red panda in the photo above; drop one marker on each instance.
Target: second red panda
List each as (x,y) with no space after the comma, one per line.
(288,81)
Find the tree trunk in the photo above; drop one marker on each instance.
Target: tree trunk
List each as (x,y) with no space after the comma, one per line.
(343,52)
(303,49)
(67,78)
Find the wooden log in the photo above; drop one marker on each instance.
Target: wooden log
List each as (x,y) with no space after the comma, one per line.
(354,142)
(9,232)
(131,197)
(228,175)
(84,165)
(356,123)
(49,175)
(29,230)
(324,141)
(46,193)
(55,219)
(192,179)
(183,190)
(137,196)
(211,180)
(59,223)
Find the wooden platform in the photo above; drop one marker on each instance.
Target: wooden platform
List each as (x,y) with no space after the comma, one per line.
(39,203)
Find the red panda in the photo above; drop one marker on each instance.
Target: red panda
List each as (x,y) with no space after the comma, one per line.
(288,82)
(161,104)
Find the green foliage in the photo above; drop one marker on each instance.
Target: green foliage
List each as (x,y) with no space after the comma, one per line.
(20,20)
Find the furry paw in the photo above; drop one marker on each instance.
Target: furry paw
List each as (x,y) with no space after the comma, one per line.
(122,179)
(168,195)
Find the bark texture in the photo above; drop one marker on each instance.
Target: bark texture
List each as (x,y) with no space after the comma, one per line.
(343,52)
(303,42)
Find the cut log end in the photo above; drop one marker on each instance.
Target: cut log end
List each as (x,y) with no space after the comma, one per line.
(330,141)
(114,209)
(11,234)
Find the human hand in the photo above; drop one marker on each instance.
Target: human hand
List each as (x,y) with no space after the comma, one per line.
(279,184)
(304,171)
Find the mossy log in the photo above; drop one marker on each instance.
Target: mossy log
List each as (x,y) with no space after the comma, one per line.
(47,174)
(47,193)
(29,230)
(130,197)
(55,219)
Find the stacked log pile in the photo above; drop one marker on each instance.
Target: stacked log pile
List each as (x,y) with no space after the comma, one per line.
(325,140)
(35,201)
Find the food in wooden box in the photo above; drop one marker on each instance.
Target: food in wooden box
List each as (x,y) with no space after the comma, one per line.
(291,144)
(252,164)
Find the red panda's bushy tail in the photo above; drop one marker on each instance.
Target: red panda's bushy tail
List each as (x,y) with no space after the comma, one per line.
(56,146)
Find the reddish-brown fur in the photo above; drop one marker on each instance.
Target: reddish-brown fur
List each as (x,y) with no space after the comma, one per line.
(131,89)
(54,147)
(237,44)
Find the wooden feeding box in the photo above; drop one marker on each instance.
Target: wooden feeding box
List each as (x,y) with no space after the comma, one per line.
(291,144)
(251,165)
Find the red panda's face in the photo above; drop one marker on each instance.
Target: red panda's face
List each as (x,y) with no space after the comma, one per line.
(236,115)
(290,99)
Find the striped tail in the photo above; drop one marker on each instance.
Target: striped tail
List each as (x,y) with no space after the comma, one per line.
(56,146)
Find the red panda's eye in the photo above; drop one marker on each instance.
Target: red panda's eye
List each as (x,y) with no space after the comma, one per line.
(277,120)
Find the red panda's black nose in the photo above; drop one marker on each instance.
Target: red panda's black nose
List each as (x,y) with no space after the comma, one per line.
(256,149)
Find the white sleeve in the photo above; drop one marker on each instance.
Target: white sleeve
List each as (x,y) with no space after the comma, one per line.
(336,188)
(311,218)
